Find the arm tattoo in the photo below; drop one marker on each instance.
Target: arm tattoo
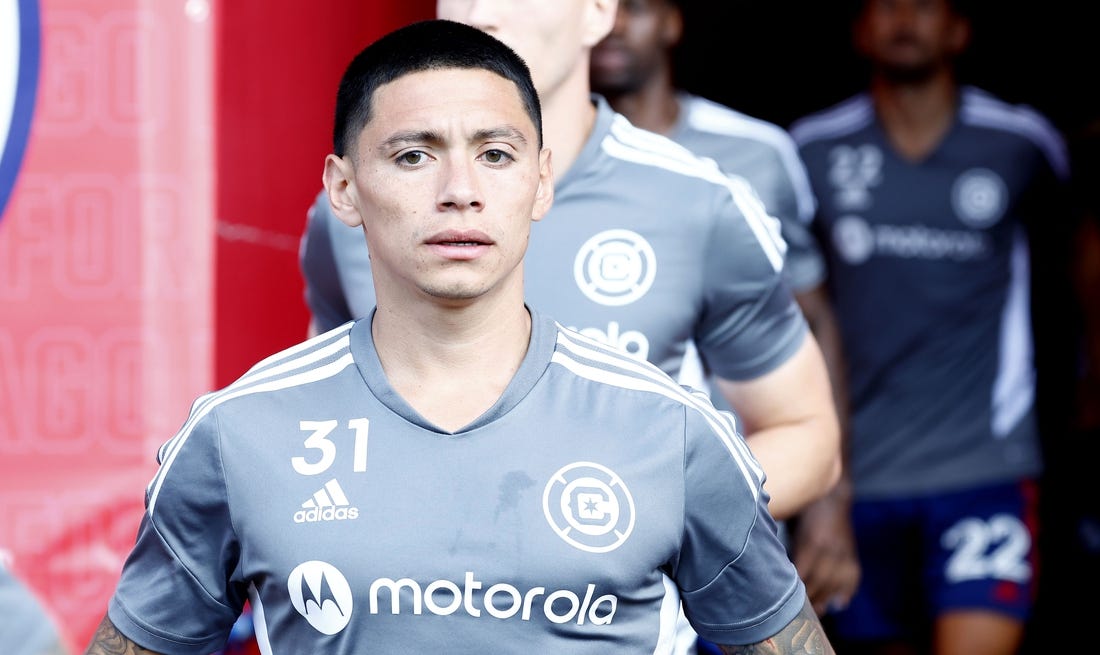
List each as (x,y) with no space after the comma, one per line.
(109,641)
(802,636)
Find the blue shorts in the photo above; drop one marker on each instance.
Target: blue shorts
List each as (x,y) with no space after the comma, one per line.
(920,557)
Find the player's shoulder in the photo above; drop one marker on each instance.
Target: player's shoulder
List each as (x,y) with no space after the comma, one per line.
(619,372)
(835,121)
(658,169)
(269,380)
(315,359)
(707,116)
(648,155)
(306,354)
(981,109)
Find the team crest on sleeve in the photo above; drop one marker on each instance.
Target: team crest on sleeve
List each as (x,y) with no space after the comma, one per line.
(615,267)
(19,57)
(589,507)
(979,197)
(322,595)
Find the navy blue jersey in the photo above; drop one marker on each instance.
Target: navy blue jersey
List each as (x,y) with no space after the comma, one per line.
(929,269)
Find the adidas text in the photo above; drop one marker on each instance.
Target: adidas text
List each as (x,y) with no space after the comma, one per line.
(326,514)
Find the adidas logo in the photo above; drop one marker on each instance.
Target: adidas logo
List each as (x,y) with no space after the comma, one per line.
(327,504)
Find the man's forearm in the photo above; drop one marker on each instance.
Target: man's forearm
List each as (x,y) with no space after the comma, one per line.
(789,421)
(109,641)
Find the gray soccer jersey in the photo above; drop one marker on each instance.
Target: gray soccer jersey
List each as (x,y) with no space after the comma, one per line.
(929,268)
(765,155)
(646,247)
(553,523)
(27,628)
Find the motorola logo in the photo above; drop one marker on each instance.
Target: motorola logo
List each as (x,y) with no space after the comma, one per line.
(322,595)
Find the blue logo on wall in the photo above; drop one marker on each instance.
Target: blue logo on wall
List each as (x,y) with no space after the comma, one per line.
(20,40)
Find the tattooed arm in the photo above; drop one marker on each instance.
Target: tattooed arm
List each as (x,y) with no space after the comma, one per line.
(802,636)
(109,641)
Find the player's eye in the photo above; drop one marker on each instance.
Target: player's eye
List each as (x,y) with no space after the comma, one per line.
(412,158)
(496,156)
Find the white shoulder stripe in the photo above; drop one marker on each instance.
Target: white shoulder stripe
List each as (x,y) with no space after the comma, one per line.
(278,364)
(983,110)
(848,116)
(591,349)
(577,341)
(722,423)
(332,335)
(629,382)
(651,142)
(626,143)
(706,116)
(235,391)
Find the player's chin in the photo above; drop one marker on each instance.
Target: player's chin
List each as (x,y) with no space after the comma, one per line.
(457,292)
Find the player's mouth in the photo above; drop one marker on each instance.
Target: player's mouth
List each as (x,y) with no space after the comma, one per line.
(460,244)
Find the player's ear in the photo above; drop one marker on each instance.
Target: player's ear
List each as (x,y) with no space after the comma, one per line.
(959,35)
(672,26)
(338,179)
(599,20)
(544,196)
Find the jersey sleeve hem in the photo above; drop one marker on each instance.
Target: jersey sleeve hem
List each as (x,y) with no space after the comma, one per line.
(768,361)
(765,628)
(144,636)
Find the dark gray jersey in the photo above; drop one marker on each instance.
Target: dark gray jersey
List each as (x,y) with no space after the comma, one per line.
(647,247)
(554,523)
(930,273)
(765,155)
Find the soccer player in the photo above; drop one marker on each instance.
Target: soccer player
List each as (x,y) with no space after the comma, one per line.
(455,472)
(633,68)
(647,248)
(926,187)
(27,628)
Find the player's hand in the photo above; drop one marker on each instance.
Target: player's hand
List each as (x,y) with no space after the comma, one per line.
(824,550)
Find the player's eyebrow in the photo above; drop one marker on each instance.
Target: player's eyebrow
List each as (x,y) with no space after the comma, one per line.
(503,133)
(433,138)
(413,137)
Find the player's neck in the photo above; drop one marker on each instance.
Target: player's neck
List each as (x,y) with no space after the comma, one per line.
(916,116)
(451,363)
(653,107)
(568,116)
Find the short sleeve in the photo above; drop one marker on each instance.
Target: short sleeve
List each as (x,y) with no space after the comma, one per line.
(751,323)
(737,583)
(176,594)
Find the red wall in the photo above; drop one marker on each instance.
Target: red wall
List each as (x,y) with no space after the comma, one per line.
(277,78)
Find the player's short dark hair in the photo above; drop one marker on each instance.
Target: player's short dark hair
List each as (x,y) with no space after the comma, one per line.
(425,45)
(964,8)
